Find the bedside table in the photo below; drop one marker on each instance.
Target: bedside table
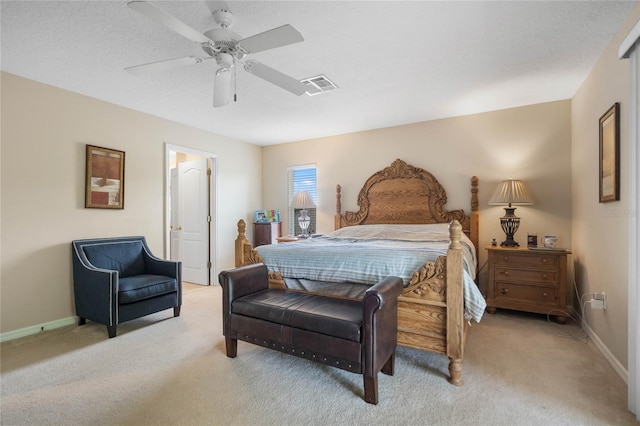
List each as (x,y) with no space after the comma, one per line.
(528,280)
(266,232)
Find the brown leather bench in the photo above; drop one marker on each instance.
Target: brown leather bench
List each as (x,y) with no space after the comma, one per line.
(355,335)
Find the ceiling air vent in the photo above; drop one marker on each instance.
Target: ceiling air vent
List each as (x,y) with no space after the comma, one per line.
(318,84)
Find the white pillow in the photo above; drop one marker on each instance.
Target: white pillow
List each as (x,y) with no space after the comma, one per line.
(421,232)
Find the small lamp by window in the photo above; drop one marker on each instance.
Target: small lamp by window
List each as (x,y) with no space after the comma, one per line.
(510,191)
(303,201)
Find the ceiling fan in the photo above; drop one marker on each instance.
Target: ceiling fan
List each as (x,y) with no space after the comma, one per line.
(226,47)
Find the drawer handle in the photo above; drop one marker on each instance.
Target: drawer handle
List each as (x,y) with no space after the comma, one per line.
(544,276)
(505,290)
(505,272)
(506,258)
(544,260)
(544,294)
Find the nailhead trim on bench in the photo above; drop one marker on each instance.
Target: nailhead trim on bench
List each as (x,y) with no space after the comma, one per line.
(318,357)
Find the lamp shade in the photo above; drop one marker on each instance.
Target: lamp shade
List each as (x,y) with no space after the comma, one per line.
(302,200)
(511,191)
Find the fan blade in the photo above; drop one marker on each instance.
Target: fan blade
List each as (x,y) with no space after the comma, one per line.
(275,77)
(222,87)
(163,65)
(277,37)
(169,21)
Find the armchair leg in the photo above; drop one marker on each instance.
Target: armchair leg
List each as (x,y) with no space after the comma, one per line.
(232,347)
(111,329)
(176,311)
(389,367)
(371,389)
(82,321)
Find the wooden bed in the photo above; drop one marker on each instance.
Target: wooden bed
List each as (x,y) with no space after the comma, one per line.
(431,308)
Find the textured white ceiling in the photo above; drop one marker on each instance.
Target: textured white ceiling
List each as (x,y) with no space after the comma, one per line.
(395,62)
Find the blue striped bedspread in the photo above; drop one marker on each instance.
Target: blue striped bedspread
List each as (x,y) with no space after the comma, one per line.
(368,253)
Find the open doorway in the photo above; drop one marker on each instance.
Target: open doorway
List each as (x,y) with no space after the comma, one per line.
(190,206)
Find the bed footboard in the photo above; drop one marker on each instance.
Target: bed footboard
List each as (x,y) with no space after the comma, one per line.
(430,309)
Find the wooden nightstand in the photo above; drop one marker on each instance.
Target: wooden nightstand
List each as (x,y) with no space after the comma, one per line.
(528,280)
(266,232)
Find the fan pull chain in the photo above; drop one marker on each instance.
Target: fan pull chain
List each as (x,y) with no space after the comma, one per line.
(235,84)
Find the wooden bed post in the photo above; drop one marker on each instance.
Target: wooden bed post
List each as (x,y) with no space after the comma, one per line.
(338,216)
(474,221)
(455,304)
(473,217)
(240,242)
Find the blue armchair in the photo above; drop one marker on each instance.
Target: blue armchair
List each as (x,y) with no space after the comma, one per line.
(118,279)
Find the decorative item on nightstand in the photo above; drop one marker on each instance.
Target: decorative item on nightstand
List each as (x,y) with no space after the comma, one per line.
(303,201)
(510,191)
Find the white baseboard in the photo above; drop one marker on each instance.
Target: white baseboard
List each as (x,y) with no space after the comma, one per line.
(619,368)
(622,372)
(35,329)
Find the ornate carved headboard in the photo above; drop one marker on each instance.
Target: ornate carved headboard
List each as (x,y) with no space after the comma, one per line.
(404,194)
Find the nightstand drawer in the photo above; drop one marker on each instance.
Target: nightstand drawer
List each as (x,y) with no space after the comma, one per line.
(529,275)
(526,293)
(523,260)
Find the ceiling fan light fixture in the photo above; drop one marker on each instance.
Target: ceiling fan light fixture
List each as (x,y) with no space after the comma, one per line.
(222,87)
(224,60)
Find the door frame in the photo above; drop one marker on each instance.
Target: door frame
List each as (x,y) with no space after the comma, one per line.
(630,49)
(213,204)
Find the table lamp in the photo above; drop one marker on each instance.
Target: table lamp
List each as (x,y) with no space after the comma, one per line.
(510,191)
(303,201)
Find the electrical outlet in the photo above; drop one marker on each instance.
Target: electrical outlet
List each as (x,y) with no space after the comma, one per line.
(599,300)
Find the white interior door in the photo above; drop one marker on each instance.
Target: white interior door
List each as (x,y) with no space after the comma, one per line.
(191,225)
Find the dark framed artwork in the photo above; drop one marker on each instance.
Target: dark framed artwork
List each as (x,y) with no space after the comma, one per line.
(610,155)
(104,184)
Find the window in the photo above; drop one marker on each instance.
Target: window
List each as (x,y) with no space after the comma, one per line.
(302,178)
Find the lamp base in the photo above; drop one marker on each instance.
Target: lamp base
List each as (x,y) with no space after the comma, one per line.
(509,243)
(510,224)
(304,221)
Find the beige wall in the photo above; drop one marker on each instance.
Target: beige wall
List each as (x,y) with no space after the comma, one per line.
(531,143)
(44,133)
(600,230)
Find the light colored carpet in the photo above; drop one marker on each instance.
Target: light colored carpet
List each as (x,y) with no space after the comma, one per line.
(160,370)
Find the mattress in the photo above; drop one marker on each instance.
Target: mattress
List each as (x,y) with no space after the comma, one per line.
(366,254)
